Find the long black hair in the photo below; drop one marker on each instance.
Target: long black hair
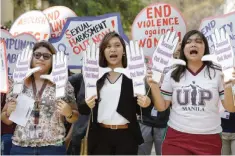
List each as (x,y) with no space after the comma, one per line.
(180,69)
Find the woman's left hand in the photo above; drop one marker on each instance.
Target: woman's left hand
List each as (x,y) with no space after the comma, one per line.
(63,108)
(143,101)
(231,81)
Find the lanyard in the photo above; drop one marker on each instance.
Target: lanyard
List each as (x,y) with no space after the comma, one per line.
(37,97)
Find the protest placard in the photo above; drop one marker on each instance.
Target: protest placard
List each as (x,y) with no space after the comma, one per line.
(78,31)
(136,68)
(33,22)
(23,69)
(3,68)
(226,22)
(92,72)
(163,55)
(14,46)
(57,16)
(154,21)
(223,53)
(59,73)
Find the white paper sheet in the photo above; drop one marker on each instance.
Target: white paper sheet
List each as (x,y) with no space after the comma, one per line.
(23,110)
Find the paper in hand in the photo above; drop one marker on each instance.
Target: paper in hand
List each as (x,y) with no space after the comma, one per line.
(23,110)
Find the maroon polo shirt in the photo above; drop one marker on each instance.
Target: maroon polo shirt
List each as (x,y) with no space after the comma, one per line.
(5,129)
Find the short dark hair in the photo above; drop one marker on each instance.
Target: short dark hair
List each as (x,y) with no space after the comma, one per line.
(46,45)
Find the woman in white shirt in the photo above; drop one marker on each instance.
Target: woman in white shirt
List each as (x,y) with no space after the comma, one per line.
(114,130)
(194,91)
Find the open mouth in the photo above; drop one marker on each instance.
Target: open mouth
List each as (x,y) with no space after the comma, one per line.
(113,56)
(193,52)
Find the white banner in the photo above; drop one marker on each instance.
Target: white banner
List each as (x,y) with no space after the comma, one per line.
(33,22)
(14,46)
(3,68)
(154,21)
(78,31)
(226,22)
(57,16)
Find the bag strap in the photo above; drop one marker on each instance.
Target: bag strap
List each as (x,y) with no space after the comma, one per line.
(88,126)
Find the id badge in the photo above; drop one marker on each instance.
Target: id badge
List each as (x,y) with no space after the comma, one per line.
(225,115)
(154,112)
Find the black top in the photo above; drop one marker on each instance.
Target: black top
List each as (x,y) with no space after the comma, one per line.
(159,121)
(228,125)
(79,128)
(127,107)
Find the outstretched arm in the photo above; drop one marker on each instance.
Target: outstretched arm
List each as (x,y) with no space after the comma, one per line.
(228,102)
(159,102)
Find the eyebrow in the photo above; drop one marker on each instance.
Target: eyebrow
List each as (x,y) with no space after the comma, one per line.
(198,38)
(42,52)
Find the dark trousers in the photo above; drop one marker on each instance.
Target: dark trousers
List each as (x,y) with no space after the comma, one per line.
(45,150)
(6,144)
(75,148)
(115,142)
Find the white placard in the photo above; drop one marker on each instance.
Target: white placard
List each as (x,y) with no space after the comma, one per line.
(33,22)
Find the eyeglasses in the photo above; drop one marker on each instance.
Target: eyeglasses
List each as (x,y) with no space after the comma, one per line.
(46,56)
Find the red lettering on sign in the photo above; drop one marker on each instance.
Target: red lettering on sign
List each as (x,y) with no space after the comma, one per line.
(57,25)
(53,15)
(67,33)
(72,42)
(160,11)
(148,42)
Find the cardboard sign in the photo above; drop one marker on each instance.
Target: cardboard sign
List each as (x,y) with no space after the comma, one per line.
(14,46)
(59,73)
(92,72)
(78,31)
(3,68)
(226,22)
(136,69)
(22,69)
(154,21)
(163,55)
(57,16)
(223,53)
(33,22)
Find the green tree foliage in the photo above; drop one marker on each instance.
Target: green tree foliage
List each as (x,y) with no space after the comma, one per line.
(128,9)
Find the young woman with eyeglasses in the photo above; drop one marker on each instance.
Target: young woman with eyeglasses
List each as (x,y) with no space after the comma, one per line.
(44,132)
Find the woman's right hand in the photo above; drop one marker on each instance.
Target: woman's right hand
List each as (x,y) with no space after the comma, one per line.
(11,106)
(91,101)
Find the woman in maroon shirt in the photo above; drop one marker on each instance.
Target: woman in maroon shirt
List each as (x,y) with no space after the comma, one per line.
(6,132)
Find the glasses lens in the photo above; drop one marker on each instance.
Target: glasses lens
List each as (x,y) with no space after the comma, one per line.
(37,55)
(46,56)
